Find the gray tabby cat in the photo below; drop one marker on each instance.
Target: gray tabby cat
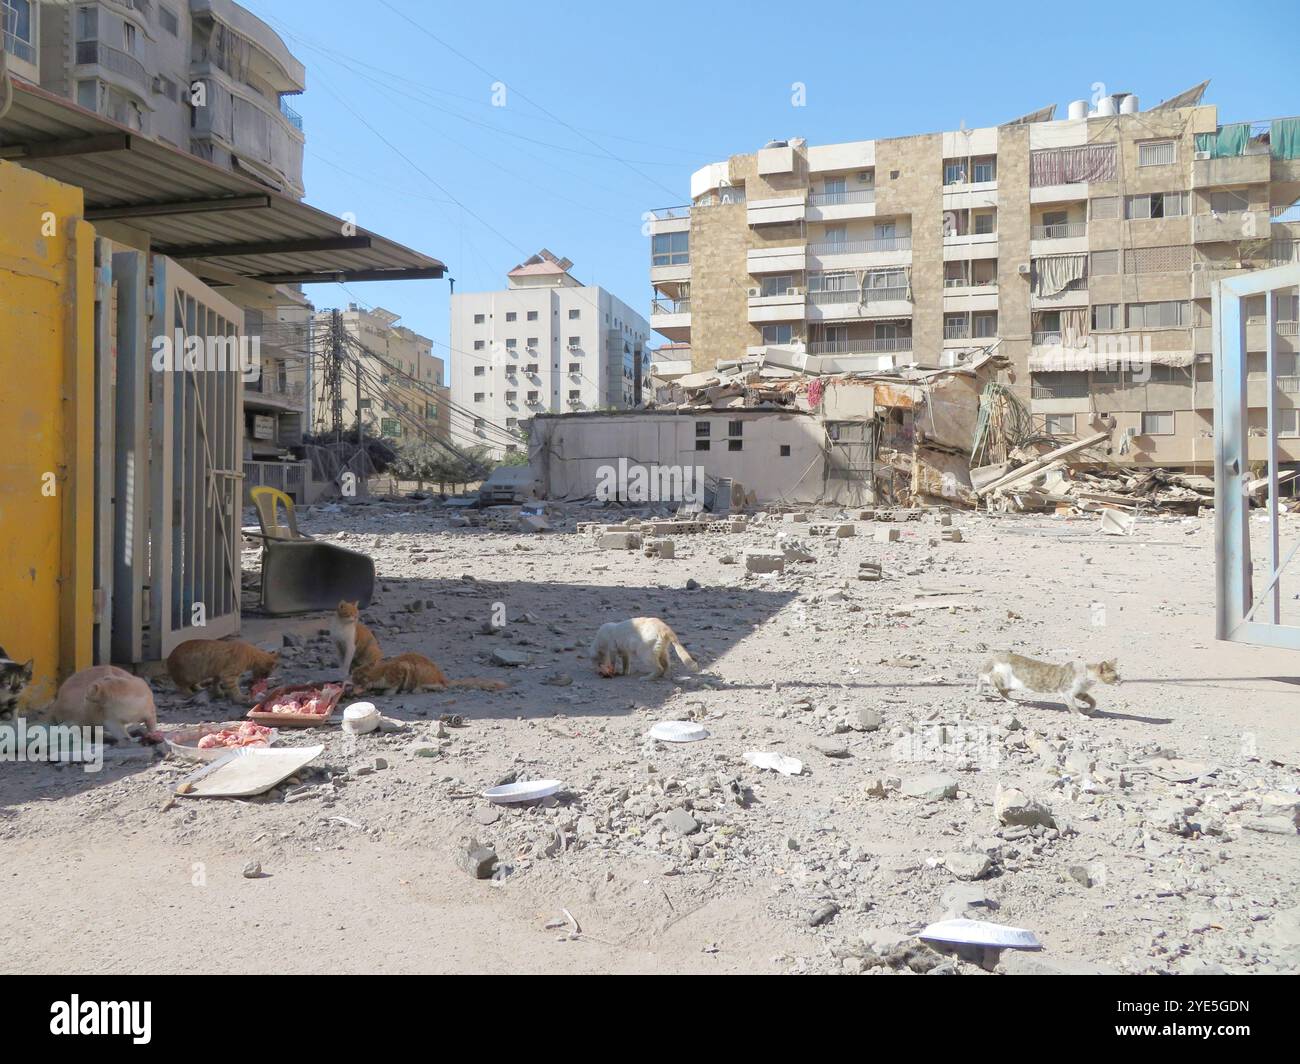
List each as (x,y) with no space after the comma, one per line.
(14,679)
(1012,672)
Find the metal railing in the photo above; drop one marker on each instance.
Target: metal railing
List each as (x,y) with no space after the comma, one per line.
(1058,232)
(1288,328)
(859,295)
(966,282)
(293,392)
(1290,385)
(670,306)
(1073,390)
(1053,338)
(860,247)
(861,347)
(837,199)
(956,330)
(114,59)
(288,477)
(664,214)
(295,119)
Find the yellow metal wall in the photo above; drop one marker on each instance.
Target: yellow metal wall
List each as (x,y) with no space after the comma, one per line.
(47,420)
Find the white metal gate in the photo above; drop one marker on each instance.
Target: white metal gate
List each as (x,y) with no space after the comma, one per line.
(196,413)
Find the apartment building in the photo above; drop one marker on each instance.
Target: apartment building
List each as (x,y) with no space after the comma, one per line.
(1084,248)
(547,343)
(387,371)
(210,78)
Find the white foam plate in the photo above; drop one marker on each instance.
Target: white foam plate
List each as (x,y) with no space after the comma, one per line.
(981,933)
(531,791)
(679,731)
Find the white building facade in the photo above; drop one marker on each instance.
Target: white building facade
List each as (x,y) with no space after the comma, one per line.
(545,344)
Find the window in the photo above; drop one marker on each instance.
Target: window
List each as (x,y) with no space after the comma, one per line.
(479,424)
(986,325)
(531,342)
(703,428)
(955,327)
(984,223)
(1103,208)
(1105,316)
(511,344)
(777,286)
(1288,423)
(1165,315)
(531,368)
(1157,153)
(735,428)
(480,397)
(1158,423)
(837,234)
(575,394)
(167,18)
(87,23)
(479,345)
(511,316)
(575,367)
(1060,424)
(575,342)
(574,314)
(532,315)
(430,411)
(479,319)
(88,95)
(1104,263)
(778,334)
(128,38)
(364,404)
(785,450)
(670,249)
(1229,200)
(512,397)
(1159,374)
(735,445)
(954,171)
(534,396)
(984,169)
(1158,205)
(512,423)
(480,371)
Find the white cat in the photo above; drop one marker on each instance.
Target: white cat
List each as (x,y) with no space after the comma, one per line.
(640,644)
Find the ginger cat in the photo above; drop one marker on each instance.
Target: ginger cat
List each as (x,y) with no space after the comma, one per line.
(1012,672)
(198,662)
(104,696)
(358,649)
(642,642)
(413,672)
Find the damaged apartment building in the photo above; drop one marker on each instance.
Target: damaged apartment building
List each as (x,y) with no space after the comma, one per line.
(1080,251)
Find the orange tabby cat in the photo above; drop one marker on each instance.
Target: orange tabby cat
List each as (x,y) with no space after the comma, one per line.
(358,649)
(197,662)
(413,672)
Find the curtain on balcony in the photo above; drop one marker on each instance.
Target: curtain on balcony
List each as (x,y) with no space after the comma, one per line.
(1228,141)
(1074,326)
(1053,273)
(1285,137)
(1065,166)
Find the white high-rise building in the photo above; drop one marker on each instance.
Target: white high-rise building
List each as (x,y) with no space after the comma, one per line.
(547,343)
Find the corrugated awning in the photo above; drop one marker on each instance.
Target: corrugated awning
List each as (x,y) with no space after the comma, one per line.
(193,210)
(1056,359)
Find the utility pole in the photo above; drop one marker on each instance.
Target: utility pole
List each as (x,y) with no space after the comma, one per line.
(334,375)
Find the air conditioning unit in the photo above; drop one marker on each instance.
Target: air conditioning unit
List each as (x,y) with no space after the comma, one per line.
(1201,155)
(794,291)
(866,177)
(1023,269)
(575,347)
(754,293)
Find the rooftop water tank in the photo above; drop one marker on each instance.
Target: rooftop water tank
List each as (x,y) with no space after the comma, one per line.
(1128,105)
(1105,106)
(1078,109)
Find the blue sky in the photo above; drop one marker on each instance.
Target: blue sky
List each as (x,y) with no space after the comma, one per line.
(609,107)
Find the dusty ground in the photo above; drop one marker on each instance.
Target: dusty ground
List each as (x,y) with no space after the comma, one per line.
(364,868)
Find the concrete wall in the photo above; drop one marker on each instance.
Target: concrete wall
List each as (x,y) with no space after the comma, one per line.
(47,424)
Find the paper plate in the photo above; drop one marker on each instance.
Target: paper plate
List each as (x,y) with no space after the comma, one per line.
(981,933)
(679,731)
(183,742)
(523,792)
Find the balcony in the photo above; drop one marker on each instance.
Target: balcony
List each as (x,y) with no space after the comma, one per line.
(789,259)
(18,38)
(837,206)
(1231,226)
(90,53)
(856,304)
(1232,170)
(861,247)
(864,346)
(672,318)
(1058,232)
(294,118)
(668,214)
(784,211)
(275,394)
(788,306)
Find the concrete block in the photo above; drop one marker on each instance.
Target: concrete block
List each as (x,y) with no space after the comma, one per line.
(618,540)
(764,562)
(888,535)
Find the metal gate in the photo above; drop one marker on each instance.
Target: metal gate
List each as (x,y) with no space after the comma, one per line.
(850,463)
(1242,615)
(196,413)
